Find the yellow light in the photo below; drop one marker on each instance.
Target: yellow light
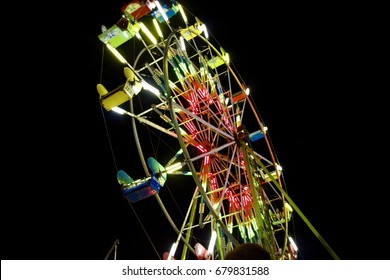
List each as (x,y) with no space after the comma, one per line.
(251,233)
(202,71)
(174,167)
(183,132)
(238,120)
(183,15)
(254,224)
(242,230)
(116,53)
(211,82)
(147,33)
(288,207)
(159,32)
(190,32)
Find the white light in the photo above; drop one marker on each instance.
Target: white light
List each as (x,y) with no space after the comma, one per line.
(161,10)
(172,251)
(182,44)
(183,14)
(204,29)
(132,88)
(212,242)
(226,58)
(293,244)
(118,110)
(150,88)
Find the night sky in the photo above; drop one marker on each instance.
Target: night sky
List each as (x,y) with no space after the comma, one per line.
(60,196)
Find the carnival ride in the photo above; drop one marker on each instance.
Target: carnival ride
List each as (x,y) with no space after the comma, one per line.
(192,96)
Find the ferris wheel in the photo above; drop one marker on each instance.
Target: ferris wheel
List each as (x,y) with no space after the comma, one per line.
(194,98)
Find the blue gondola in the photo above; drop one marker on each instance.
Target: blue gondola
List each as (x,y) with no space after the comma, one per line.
(143,188)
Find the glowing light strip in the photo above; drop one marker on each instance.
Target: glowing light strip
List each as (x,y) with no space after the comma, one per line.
(204,29)
(147,33)
(293,243)
(159,32)
(213,237)
(161,10)
(172,251)
(174,167)
(116,53)
(183,15)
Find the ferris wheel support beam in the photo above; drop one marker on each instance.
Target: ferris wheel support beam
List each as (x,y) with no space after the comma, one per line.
(264,238)
(296,208)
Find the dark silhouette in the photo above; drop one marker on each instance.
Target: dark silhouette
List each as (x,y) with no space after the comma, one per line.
(248,251)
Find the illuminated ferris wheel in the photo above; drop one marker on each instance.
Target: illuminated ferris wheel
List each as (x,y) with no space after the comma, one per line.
(192,96)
